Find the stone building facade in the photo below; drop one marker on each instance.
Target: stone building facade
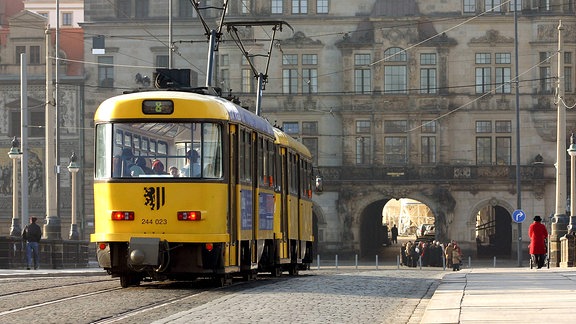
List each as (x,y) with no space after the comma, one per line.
(396,99)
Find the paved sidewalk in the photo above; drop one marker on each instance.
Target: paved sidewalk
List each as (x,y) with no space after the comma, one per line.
(504,295)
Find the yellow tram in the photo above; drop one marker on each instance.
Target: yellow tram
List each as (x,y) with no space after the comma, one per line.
(190,185)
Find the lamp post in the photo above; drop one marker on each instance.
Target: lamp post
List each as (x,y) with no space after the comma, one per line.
(73,167)
(572,153)
(560,220)
(15,155)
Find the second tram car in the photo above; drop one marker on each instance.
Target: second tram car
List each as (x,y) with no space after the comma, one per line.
(190,185)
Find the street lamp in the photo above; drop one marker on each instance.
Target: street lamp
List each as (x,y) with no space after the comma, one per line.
(15,155)
(73,167)
(572,153)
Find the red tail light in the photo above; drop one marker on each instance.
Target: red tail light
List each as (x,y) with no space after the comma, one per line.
(189,215)
(209,247)
(102,246)
(122,215)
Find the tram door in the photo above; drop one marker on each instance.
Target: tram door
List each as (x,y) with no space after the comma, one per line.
(233,224)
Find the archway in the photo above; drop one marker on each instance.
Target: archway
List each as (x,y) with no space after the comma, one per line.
(372,234)
(493,232)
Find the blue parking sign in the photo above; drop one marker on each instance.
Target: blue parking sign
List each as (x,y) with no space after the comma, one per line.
(518,216)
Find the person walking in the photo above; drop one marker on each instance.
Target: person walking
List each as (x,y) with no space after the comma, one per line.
(32,234)
(538,235)
(394,233)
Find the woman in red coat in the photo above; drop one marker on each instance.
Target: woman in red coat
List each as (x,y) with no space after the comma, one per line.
(538,234)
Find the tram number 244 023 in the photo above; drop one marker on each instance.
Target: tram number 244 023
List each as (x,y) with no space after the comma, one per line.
(157,221)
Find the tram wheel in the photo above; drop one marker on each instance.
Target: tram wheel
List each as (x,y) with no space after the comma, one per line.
(129,280)
(293,270)
(277,272)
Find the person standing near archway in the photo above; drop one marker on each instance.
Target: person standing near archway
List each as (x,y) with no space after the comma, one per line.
(538,234)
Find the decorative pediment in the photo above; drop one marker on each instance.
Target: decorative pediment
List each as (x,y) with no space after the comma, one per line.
(492,37)
(549,32)
(300,39)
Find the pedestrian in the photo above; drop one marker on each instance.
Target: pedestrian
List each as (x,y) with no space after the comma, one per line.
(456,259)
(32,234)
(538,235)
(394,234)
(448,254)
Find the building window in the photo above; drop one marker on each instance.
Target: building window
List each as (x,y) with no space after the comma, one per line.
(310,128)
(290,75)
(362,73)
(545,73)
(484,126)
(483,150)
(309,75)
(185,9)
(518,5)
(299,6)
(503,150)
(395,149)
(492,5)
(395,126)
(428,73)
(483,75)
(106,71)
(503,126)
(484,144)
(428,149)
(321,6)
(363,144)
(429,126)
(245,6)
(66,19)
(568,76)
(34,55)
(312,144)
(291,128)
(277,7)
(20,50)
(503,72)
(123,8)
(141,8)
(363,127)
(162,61)
(247,80)
(469,6)
(395,76)
(36,122)
(290,81)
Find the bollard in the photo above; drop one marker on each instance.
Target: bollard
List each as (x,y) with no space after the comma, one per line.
(443,263)
(376,261)
(356,261)
(336,261)
(420,262)
(494,262)
(318,262)
(398,261)
(469,262)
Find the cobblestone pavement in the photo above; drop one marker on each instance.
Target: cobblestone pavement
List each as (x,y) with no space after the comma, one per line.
(386,295)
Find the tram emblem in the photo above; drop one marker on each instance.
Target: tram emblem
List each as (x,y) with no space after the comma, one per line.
(154,197)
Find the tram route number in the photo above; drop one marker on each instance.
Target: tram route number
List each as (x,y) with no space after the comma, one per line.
(156,221)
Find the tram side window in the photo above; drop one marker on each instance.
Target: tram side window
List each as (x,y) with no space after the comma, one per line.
(293,174)
(265,162)
(245,157)
(305,179)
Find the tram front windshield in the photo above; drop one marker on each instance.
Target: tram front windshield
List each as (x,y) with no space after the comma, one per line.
(154,149)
